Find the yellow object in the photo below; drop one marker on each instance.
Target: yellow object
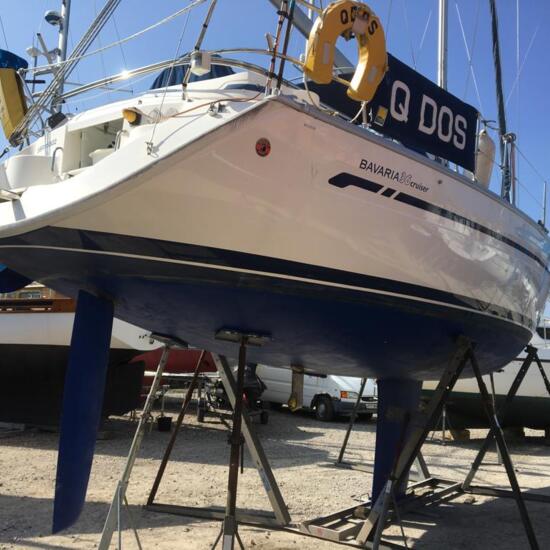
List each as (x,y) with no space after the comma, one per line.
(348,18)
(12,101)
(132,116)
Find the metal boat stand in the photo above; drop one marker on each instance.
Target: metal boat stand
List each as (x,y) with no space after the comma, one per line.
(230,516)
(363,525)
(421,469)
(114,516)
(352,419)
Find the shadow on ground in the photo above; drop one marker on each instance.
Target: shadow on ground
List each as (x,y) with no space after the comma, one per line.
(206,442)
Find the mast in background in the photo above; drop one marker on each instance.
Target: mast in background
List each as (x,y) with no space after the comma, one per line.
(502,131)
(442,52)
(442,45)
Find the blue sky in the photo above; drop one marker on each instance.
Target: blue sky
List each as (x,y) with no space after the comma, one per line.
(411,30)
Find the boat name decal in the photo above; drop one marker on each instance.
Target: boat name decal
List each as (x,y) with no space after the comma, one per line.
(402,177)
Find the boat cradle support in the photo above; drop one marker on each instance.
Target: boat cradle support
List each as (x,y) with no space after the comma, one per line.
(363,525)
(280,516)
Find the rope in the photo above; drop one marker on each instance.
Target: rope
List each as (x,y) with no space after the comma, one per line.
(209,103)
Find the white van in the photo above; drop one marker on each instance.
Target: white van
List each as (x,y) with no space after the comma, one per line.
(327,395)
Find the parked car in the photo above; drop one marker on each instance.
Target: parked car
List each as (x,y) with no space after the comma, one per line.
(328,395)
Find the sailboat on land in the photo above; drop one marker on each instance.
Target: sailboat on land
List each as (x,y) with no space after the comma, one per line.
(242,203)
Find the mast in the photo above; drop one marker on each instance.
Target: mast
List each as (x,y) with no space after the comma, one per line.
(504,158)
(442,45)
(63,38)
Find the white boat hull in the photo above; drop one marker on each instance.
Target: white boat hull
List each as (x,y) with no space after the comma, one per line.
(335,244)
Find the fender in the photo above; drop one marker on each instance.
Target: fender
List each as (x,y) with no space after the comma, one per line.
(348,18)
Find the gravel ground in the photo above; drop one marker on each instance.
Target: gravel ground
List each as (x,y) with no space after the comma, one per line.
(302,452)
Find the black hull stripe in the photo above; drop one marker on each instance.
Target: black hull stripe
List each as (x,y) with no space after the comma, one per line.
(344,180)
(56,237)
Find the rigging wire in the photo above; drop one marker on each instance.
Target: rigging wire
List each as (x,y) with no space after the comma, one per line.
(101,57)
(469,55)
(121,88)
(119,42)
(61,74)
(516,81)
(473,45)
(77,71)
(424,34)
(388,19)
(159,23)
(176,55)
(4,33)
(406,17)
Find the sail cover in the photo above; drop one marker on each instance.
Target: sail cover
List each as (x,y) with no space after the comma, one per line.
(410,108)
(9,60)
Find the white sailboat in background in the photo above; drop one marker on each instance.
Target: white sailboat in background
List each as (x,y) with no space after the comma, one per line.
(35,337)
(530,407)
(240,205)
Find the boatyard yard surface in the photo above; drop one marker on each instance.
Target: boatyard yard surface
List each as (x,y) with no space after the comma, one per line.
(302,452)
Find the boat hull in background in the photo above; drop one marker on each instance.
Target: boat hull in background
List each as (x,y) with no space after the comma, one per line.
(33,378)
(34,354)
